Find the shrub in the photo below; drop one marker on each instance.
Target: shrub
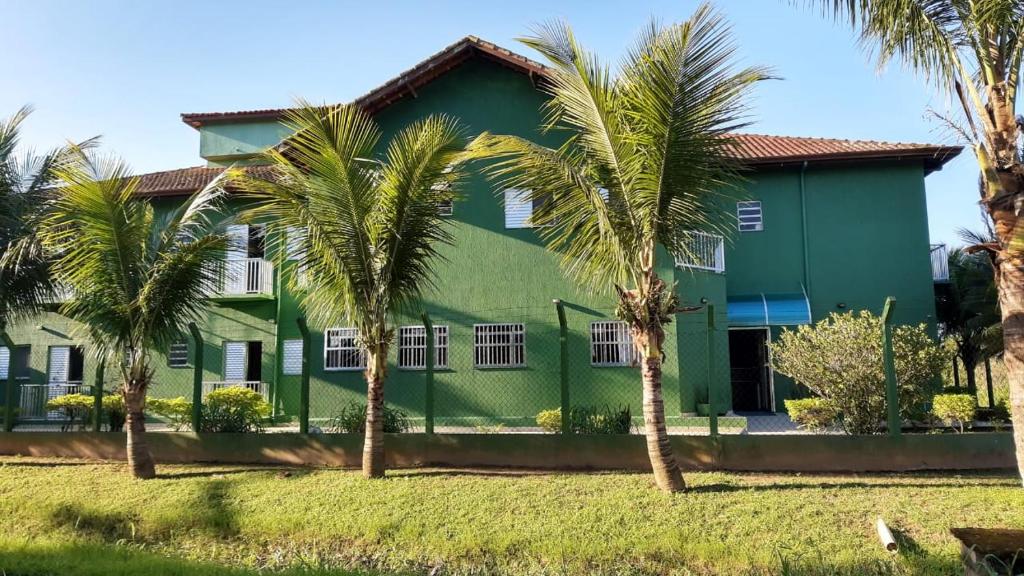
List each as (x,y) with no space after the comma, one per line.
(840,360)
(77,409)
(352,420)
(811,413)
(234,409)
(593,420)
(954,410)
(550,420)
(113,406)
(177,411)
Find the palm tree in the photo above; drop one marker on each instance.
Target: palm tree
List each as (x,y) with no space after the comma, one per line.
(136,278)
(371,225)
(648,159)
(968,311)
(25,181)
(971,49)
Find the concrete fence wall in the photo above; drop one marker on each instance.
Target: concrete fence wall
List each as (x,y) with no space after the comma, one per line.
(796,453)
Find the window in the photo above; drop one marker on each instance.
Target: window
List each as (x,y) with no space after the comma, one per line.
(412,347)
(748,214)
(499,345)
(520,208)
(611,344)
(19,361)
(291,353)
(177,355)
(295,243)
(342,351)
(445,207)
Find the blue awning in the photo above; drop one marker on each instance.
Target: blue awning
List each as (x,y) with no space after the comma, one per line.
(787,309)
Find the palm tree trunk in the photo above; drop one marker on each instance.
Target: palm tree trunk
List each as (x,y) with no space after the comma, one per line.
(140,460)
(373,443)
(972,384)
(663,460)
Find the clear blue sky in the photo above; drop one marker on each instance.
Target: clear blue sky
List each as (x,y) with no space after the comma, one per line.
(125,70)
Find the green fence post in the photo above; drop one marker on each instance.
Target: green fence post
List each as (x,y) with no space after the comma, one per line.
(563,342)
(712,409)
(97,397)
(197,377)
(304,385)
(11,386)
(428,400)
(892,398)
(988,383)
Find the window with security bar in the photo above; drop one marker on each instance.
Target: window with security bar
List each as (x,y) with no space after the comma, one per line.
(749,216)
(412,347)
(611,344)
(177,355)
(499,345)
(342,350)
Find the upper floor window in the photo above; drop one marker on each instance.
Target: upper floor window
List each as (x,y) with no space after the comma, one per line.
(499,345)
(412,347)
(18,360)
(749,217)
(177,355)
(611,344)
(520,208)
(342,350)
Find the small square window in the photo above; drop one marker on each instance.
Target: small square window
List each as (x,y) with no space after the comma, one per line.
(412,347)
(342,350)
(499,345)
(749,216)
(611,344)
(177,355)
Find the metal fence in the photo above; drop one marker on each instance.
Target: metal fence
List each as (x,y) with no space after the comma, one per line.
(560,368)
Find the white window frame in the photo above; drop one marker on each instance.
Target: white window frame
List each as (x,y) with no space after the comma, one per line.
(490,352)
(749,210)
(619,344)
(174,352)
(516,203)
(346,333)
(412,348)
(287,353)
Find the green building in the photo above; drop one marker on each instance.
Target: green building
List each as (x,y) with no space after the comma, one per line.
(825,226)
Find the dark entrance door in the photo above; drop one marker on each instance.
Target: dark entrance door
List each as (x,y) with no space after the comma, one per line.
(748,359)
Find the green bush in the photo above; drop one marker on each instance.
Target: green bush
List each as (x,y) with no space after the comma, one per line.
(811,413)
(840,360)
(955,410)
(550,420)
(177,411)
(234,409)
(352,420)
(77,410)
(113,407)
(593,420)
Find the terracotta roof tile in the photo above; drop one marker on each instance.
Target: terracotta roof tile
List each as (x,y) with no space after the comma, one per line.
(402,85)
(756,150)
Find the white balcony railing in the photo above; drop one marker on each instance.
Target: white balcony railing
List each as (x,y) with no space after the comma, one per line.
(703,252)
(254,385)
(249,276)
(940,263)
(34,397)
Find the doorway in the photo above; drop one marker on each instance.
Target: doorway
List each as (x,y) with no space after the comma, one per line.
(243,361)
(750,370)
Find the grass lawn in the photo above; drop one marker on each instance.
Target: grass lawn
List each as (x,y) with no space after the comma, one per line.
(72,517)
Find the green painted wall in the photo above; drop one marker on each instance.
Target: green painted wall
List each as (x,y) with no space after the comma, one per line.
(868,239)
(227,143)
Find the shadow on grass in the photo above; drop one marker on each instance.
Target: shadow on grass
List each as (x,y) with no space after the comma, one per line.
(216,473)
(34,559)
(210,510)
(754,487)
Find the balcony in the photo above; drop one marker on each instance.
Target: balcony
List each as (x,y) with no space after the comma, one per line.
(940,263)
(703,252)
(34,397)
(256,386)
(248,277)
